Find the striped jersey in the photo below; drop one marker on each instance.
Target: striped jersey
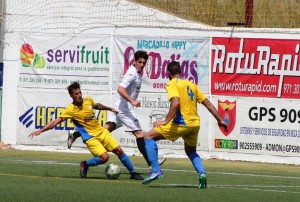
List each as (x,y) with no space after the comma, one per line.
(189,95)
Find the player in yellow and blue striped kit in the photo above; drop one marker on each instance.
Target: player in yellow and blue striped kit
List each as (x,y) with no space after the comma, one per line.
(182,120)
(98,140)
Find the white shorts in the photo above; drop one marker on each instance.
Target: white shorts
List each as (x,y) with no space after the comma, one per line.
(128,119)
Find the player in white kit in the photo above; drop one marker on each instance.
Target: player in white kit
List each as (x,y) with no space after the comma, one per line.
(129,90)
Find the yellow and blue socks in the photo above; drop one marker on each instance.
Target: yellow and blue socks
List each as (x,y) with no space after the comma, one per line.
(152,152)
(126,162)
(93,161)
(197,162)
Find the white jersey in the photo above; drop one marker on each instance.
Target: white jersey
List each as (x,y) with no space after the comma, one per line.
(132,82)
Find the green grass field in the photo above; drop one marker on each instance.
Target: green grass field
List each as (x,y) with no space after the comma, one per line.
(53,176)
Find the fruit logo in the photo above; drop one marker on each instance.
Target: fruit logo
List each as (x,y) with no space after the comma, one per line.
(28,57)
(227,110)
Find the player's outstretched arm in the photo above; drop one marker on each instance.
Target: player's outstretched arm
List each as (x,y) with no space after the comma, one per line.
(49,126)
(100,106)
(211,108)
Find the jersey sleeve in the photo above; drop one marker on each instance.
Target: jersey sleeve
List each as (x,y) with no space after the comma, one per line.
(128,78)
(172,90)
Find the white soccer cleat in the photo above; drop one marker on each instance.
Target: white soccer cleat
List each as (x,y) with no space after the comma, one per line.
(162,160)
(71,138)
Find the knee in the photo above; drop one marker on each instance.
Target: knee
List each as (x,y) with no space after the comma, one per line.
(146,136)
(189,150)
(110,126)
(118,151)
(138,134)
(104,157)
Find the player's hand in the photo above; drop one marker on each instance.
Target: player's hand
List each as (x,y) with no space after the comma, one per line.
(136,103)
(223,125)
(113,110)
(160,123)
(35,133)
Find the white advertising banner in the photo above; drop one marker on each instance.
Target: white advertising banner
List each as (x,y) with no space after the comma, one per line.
(34,113)
(193,55)
(263,126)
(154,107)
(37,108)
(53,62)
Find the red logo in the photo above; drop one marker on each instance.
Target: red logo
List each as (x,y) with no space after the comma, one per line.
(88,118)
(227,110)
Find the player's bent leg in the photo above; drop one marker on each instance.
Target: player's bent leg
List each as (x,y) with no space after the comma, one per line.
(127,163)
(97,160)
(95,146)
(198,165)
(141,147)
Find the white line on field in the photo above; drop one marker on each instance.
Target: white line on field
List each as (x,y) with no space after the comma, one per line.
(257,189)
(171,170)
(242,187)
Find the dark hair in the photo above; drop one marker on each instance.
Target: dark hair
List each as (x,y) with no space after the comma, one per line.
(141,54)
(174,68)
(73,86)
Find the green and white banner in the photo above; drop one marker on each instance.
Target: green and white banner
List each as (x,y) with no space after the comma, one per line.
(50,62)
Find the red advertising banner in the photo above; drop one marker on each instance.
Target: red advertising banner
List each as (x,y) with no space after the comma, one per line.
(255,67)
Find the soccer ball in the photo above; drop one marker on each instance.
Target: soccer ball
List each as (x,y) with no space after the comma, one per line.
(112,171)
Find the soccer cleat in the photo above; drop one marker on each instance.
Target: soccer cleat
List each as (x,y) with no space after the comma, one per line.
(83,169)
(153,176)
(136,176)
(162,160)
(71,139)
(72,136)
(202,181)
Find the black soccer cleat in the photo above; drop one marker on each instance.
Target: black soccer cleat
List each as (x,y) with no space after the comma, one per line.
(136,176)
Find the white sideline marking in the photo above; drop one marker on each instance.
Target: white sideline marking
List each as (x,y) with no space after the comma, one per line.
(241,174)
(242,187)
(172,170)
(257,189)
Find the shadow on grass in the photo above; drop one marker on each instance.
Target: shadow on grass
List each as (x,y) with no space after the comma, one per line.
(173,186)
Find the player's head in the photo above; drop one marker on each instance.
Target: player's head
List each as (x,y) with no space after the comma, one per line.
(140,58)
(75,93)
(174,69)
(141,54)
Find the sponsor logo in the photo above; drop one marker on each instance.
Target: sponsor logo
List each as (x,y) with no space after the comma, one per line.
(226,144)
(157,115)
(26,118)
(156,66)
(40,116)
(227,110)
(29,58)
(259,67)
